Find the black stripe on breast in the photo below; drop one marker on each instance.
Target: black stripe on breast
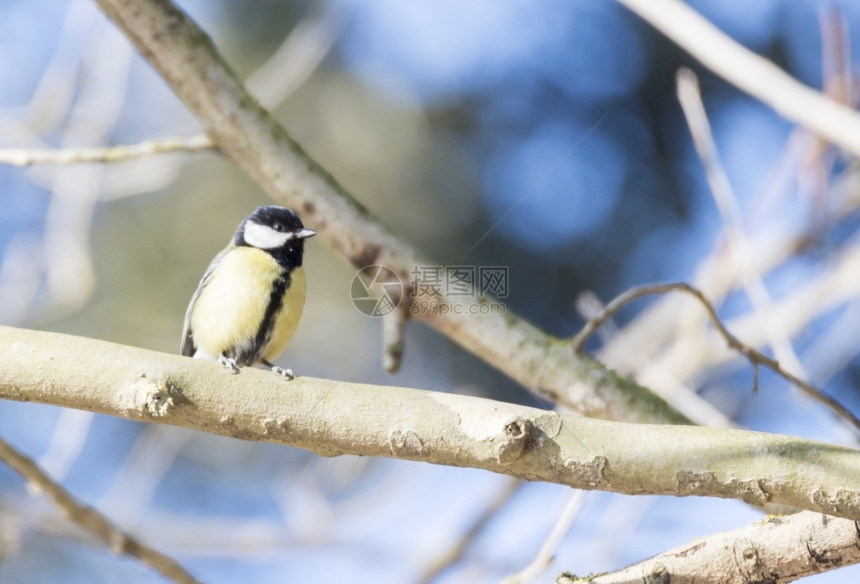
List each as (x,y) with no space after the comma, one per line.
(264,333)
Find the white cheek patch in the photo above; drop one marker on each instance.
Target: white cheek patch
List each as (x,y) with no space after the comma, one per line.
(264,237)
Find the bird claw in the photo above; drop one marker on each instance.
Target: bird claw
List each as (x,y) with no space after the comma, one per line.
(279,370)
(288,373)
(229,364)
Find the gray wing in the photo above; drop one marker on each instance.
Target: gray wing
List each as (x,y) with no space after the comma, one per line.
(188,348)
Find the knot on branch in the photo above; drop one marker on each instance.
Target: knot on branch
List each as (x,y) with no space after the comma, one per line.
(836,502)
(659,575)
(405,444)
(823,556)
(159,402)
(518,433)
(753,492)
(747,557)
(151,398)
(692,483)
(586,474)
(273,428)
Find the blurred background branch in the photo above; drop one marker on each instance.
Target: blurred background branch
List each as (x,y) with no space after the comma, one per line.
(757,76)
(756,358)
(21,157)
(91,520)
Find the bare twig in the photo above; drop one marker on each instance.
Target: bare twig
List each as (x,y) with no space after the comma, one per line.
(836,53)
(688,356)
(769,247)
(780,549)
(837,83)
(300,54)
(663,382)
(751,73)
(716,275)
(91,520)
(756,358)
(392,337)
(291,64)
(690,98)
(26,157)
(547,550)
(455,553)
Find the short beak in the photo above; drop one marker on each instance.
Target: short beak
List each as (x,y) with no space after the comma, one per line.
(305,233)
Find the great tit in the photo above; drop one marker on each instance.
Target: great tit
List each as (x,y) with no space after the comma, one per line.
(248,303)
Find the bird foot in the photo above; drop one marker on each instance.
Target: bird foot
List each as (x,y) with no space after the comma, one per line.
(229,364)
(288,373)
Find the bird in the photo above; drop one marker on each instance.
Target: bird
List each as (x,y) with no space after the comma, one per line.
(249,301)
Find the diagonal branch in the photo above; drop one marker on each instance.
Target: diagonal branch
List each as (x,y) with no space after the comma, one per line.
(91,520)
(332,418)
(246,133)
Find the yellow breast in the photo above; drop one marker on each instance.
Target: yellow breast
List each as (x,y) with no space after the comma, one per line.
(229,312)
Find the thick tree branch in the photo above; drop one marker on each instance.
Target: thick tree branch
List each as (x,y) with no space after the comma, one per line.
(336,417)
(781,549)
(752,73)
(245,132)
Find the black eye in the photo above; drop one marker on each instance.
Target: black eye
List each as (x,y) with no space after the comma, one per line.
(279,227)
